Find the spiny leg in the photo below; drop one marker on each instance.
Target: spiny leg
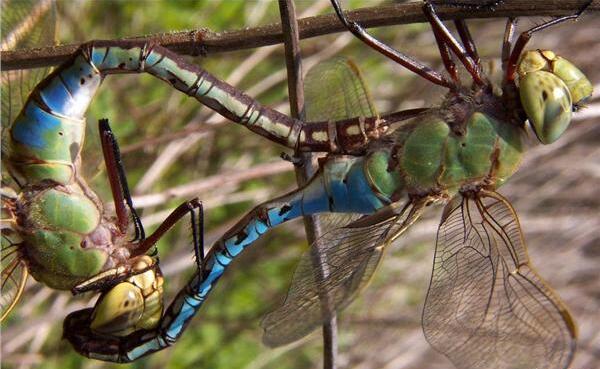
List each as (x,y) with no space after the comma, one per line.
(198,235)
(169,222)
(400,58)
(526,36)
(443,34)
(118,180)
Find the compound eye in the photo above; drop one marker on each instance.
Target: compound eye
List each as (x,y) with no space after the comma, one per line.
(578,84)
(119,310)
(547,103)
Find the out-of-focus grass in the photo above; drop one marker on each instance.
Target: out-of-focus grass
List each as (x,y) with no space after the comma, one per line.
(554,193)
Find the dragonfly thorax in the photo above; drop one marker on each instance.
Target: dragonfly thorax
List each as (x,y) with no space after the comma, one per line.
(66,238)
(469,141)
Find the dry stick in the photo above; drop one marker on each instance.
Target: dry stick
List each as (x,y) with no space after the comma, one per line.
(201,41)
(306,169)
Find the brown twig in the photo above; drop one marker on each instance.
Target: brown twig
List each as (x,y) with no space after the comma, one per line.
(304,172)
(201,41)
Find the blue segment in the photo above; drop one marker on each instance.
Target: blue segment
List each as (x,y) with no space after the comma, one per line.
(149,346)
(153,58)
(57,97)
(186,313)
(365,201)
(32,125)
(73,76)
(97,55)
(223,260)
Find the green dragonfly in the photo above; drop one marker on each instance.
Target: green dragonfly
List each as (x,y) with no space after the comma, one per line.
(484,294)
(54,226)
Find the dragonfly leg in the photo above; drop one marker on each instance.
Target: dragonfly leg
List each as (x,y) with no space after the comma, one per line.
(141,340)
(467,40)
(509,34)
(406,61)
(118,180)
(525,36)
(443,35)
(188,207)
(446,56)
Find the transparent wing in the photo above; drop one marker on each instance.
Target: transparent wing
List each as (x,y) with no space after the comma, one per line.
(486,306)
(13,270)
(335,90)
(347,258)
(24,24)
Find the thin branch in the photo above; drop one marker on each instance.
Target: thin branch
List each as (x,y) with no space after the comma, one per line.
(304,171)
(202,41)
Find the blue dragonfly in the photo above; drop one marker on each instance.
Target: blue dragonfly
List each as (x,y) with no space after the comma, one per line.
(459,153)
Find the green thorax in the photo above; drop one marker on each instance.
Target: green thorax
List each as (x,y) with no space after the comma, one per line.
(468,142)
(65,238)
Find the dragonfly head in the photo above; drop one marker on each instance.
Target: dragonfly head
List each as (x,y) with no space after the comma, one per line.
(132,304)
(550,88)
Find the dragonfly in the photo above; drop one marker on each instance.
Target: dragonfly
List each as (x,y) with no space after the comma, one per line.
(389,178)
(54,226)
(56,229)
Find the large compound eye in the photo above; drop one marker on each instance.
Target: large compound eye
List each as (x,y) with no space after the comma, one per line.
(547,102)
(577,83)
(118,310)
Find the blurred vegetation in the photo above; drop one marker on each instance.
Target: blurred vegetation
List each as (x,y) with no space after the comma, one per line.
(169,140)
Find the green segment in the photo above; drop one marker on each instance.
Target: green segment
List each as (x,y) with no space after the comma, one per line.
(469,156)
(35,173)
(55,209)
(60,221)
(433,156)
(422,153)
(59,254)
(386,181)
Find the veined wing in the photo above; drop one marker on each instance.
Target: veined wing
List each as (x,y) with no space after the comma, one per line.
(348,257)
(486,306)
(14,271)
(25,24)
(333,90)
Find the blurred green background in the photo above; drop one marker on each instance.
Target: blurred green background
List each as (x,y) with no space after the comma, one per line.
(175,149)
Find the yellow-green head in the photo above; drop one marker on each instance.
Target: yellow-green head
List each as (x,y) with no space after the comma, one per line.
(550,88)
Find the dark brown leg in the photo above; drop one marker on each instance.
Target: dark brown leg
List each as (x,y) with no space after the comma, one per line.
(467,40)
(118,181)
(169,222)
(509,34)
(446,57)
(445,36)
(511,67)
(400,58)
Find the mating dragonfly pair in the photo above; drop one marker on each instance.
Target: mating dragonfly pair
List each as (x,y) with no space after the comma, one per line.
(483,294)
